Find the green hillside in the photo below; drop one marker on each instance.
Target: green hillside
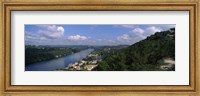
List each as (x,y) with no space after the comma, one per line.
(155,53)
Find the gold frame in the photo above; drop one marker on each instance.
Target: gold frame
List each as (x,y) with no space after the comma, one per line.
(8,6)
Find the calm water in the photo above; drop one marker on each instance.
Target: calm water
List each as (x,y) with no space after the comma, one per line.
(58,63)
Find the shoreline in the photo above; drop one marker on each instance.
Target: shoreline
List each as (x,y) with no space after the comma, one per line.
(83,65)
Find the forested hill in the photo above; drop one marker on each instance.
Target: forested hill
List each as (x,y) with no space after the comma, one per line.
(150,54)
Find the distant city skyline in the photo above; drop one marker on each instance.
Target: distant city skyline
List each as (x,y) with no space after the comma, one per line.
(59,34)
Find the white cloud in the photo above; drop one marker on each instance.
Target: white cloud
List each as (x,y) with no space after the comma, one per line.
(33,36)
(137,34)
(60,29)
(77,37)
(111,41)
(51,31)
(51,27)
(43,38)
(48,34)
(153,29)
(124,37)
(138,30)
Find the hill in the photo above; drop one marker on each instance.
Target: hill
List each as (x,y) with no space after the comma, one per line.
(155,53)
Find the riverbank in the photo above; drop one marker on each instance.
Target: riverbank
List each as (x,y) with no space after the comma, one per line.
(86,64)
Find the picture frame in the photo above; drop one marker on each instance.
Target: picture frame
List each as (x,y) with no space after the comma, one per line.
(96,5)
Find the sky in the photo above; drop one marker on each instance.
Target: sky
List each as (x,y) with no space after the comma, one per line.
(113,34)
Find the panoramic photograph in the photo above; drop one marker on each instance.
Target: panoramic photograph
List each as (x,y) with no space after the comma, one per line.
(99,47)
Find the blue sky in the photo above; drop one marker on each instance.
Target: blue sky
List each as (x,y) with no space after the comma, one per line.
(55,34)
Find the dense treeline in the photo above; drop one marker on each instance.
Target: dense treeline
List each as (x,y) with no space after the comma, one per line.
(35,54)
(145,55)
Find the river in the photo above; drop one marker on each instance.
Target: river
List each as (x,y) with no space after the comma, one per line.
(58,63)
